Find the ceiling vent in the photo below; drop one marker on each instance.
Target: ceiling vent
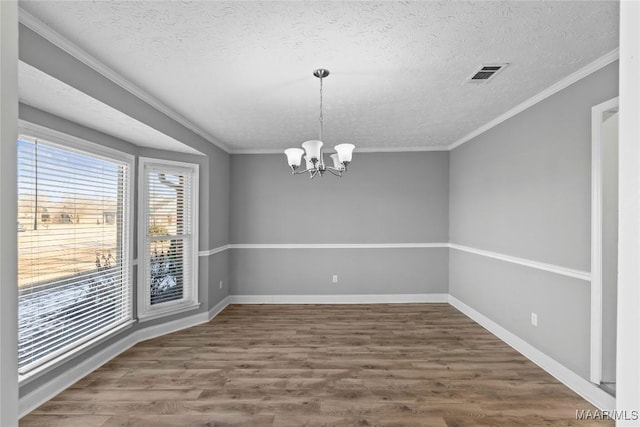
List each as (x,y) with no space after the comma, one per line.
(486,72)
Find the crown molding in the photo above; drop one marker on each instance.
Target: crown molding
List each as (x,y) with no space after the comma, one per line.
(402,149)
(81,55)
(336,245)
(60,41)
(357,150)
(583,72)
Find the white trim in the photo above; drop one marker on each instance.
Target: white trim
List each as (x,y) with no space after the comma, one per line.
(50,389)
(336,245)
(443,147)
(357,150)
(214,250)
(581,386)
(28,131)
(155,331)
(628,336)
(217,309)
(168,311)
(590,68)
(339,299)
(584,388)
(81,55)
(570,272)
(145,310)
(552,268)
(321,246)
(597,113)
(72,142)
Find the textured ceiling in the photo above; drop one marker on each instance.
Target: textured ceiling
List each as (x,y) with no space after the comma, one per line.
(242,70)
(42,91)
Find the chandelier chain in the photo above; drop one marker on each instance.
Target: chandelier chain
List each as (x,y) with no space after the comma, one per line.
(321,117)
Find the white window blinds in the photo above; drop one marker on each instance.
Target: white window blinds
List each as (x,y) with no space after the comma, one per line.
(168,215)
(74,276)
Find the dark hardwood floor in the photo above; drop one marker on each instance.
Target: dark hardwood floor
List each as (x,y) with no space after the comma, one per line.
(321,365)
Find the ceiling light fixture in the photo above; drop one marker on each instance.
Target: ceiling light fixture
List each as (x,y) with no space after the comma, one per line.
(313,151)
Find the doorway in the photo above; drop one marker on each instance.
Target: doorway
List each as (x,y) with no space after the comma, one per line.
(604,244)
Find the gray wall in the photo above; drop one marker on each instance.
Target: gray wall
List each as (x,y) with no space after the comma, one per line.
(215,267)
(360,271)
(214,167)
(383,198)
(523,189)
(45,56)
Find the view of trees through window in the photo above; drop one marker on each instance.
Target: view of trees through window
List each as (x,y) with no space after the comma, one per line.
(71,276)
(167,224)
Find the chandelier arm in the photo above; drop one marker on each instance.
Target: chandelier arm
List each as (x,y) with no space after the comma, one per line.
(335,172)
(301,172)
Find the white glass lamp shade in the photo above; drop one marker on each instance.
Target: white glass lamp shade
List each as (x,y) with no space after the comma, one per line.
(313,149)
(336,162)
(345,152)
(294,156)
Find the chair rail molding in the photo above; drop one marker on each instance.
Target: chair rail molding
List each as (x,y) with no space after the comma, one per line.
(552,268)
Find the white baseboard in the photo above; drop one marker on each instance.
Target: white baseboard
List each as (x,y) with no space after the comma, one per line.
(50,389)
(339,299)
(217,309)
(155,331)
(575,382)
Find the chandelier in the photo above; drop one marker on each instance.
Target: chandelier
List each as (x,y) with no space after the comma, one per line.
(314,153)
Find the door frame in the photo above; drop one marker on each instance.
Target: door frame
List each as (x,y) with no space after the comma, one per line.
(597,115)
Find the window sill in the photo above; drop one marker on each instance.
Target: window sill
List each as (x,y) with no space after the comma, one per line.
(168,311)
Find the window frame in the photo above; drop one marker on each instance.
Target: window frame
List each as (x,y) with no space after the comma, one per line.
(145,311)
(27,131)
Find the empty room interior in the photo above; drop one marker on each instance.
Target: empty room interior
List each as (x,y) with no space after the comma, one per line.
(319,213)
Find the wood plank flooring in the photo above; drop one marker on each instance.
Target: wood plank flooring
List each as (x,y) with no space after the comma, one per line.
(319,365)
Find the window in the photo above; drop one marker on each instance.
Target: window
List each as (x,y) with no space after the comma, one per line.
(168,238)
(74,240)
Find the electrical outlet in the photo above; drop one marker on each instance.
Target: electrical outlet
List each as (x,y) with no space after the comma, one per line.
(534,319)
(220,284)
(335,278)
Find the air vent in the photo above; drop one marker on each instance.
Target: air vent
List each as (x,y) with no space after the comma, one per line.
(486,72)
